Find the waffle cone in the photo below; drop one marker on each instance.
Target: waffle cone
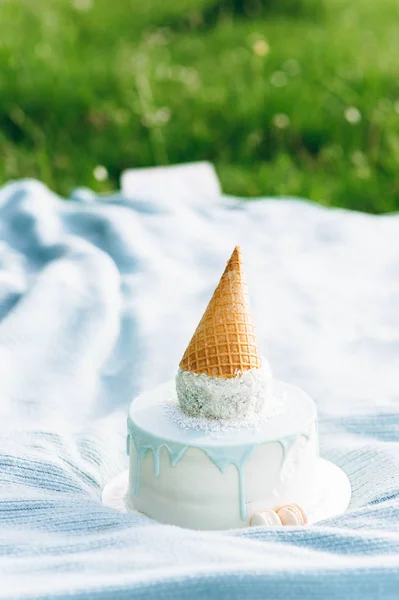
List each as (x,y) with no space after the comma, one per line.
(224,343)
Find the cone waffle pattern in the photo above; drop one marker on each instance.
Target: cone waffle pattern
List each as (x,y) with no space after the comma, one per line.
(224,343)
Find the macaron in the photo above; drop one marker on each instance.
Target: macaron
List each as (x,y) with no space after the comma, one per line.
(292,514)
(266,518)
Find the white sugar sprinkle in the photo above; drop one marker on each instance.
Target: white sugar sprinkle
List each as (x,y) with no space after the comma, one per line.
(275,407)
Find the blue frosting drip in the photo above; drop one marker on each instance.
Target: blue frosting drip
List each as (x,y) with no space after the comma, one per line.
(222,456)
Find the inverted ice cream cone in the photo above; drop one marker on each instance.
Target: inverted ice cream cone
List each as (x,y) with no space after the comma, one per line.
(224,343)
(222,375)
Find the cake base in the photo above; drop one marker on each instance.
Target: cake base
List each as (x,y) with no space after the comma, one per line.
(331,496)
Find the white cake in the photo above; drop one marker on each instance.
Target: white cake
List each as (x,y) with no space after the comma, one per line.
(218,479)
(223,441)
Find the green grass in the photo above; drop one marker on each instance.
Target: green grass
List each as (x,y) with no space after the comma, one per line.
(286,97)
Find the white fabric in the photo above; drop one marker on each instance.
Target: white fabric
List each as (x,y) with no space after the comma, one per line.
(98,299)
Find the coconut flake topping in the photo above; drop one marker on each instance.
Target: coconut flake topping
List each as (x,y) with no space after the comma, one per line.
(242,397)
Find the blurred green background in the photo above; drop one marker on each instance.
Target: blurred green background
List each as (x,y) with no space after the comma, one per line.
(286,97)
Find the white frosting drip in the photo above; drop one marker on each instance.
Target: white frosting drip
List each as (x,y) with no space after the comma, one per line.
(242,397)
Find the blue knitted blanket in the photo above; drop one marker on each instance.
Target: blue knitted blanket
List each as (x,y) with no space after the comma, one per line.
(98,299)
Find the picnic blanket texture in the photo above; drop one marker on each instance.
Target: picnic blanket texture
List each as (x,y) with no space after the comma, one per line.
(99,296)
